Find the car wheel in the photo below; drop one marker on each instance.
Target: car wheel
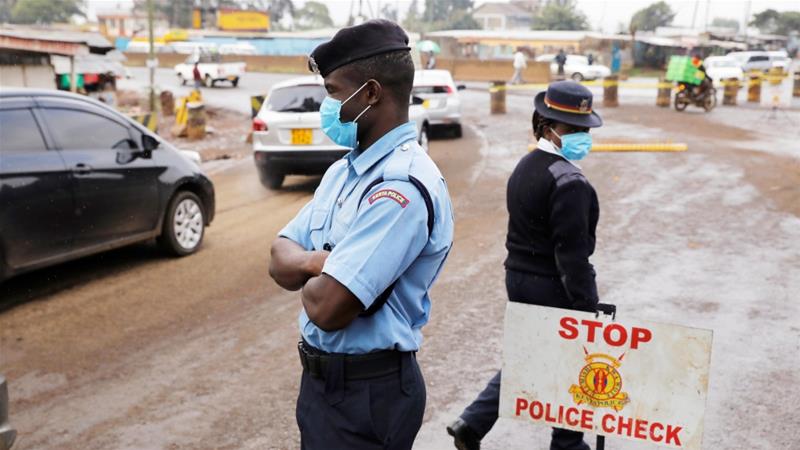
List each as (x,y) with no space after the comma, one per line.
(207,81)
(577,76)
(184,224)
(271,178)
(457,131)
(424,139)
(235,82)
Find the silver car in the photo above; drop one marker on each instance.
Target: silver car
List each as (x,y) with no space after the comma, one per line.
(288,138)
(441,99)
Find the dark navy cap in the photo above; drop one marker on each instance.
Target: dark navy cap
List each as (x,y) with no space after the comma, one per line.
(568,102)
(371,38)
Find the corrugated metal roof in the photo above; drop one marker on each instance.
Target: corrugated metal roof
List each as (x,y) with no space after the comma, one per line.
(94,40)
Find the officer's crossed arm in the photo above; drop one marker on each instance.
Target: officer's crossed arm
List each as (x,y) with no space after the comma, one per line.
(383,240)
(291,265)
(292,259)
(570,205)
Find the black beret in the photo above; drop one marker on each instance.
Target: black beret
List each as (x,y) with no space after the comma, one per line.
(371,38)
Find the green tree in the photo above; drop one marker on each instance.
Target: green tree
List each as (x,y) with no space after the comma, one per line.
(788,22)
(178,13)
(560,15)
(770,21)
(313,15)
(413,20)
(389,12)
(278,9)
(5,10)
(45,11)
(766,21)
(725,23)
(448,15)
(648,19)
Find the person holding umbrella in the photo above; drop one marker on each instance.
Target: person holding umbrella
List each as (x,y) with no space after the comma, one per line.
(430,48)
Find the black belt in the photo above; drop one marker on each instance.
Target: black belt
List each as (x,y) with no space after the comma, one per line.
(356,367)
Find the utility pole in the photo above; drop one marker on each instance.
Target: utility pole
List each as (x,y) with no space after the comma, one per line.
(151,63)
(708,4)
(694,14)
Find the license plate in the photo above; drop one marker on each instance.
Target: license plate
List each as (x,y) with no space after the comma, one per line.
(426,104)
(302,136)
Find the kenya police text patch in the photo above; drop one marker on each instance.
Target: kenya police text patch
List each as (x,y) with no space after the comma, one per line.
(389,193)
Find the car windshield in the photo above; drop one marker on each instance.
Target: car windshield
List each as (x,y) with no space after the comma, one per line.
(307,98)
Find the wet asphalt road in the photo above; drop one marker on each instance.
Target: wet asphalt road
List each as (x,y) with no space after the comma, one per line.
(134,350)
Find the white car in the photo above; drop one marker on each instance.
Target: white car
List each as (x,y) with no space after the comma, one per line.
(441,99)
(211,68)
(720,68)
(288,137)
(780,59)
(755,60)
(576,67)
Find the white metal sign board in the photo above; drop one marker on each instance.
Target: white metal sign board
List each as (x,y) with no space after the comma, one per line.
(636,380)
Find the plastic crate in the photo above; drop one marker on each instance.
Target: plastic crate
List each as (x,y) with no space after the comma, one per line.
(682,70)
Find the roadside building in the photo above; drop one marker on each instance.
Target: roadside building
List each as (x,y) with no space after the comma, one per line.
(47,58)
(516,15)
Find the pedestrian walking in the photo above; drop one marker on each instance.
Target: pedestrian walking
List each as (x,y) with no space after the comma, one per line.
(520,63)
(553,212)
(616,60)
(365,251)
(197,76)
(431,63)
(590,58)
(561,59)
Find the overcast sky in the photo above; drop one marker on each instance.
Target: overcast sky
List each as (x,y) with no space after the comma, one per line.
(605,15)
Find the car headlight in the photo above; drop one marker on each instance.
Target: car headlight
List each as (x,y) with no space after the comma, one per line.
(192,156)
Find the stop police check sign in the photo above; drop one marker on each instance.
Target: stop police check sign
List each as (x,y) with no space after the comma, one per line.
(644,381)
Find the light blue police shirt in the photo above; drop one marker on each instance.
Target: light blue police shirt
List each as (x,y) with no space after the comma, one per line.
(378,240)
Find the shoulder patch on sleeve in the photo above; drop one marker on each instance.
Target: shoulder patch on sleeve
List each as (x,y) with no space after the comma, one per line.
(390,194)
(563,172)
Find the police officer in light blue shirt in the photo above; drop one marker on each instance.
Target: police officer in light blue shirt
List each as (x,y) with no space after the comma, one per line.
(365,251)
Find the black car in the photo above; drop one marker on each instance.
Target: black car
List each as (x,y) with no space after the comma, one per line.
(77,178)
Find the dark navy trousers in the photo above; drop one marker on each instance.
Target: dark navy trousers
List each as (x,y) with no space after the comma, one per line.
(377,413)
(482,414)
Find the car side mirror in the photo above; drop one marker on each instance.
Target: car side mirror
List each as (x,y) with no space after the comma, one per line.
(149,143)
(461,87)
(416,100)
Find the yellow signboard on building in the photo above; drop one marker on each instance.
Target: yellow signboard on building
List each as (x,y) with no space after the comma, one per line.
(233,20)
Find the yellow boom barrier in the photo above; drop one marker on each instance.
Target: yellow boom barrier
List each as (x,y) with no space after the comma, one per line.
(624,84)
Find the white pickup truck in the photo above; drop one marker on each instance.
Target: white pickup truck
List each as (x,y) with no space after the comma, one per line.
(212,69)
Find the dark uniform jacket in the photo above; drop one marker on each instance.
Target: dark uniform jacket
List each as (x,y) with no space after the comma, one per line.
(553,213)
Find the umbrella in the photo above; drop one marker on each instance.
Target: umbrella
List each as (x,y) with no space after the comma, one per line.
(428,46)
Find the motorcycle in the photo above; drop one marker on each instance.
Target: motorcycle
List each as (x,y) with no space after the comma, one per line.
(693,95)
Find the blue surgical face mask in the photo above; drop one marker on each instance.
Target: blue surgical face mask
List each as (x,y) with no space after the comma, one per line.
(575,146)
(344,134)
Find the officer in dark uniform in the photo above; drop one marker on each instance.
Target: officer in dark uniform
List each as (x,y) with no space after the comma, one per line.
(365,250)
(553,212)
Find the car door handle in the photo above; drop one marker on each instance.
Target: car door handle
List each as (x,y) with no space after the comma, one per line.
(82,169)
